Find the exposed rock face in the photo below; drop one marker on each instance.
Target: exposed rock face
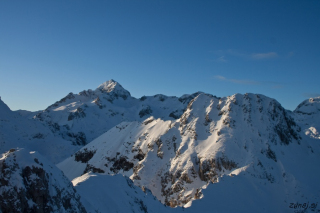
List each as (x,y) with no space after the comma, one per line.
(146,111)
(79,113)
(29,183)
(210,169)
(84,155)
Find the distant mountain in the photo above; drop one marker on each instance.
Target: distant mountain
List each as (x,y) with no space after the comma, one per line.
(308,116)
(17,130)
(82,117)
(65,126)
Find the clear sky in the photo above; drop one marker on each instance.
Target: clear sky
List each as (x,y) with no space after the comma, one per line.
(51,48)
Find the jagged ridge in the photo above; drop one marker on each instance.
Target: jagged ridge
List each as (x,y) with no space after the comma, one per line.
(213,138)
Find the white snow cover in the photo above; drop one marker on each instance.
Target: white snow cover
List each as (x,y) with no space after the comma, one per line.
(248,146)
(308,116)
(241,153)
(116,194)
(93,112)
(19,131)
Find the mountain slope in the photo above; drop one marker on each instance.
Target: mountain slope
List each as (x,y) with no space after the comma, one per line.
(117,194)
(30,183)
(17,130)
(308,116)
(241,135)
(83,117)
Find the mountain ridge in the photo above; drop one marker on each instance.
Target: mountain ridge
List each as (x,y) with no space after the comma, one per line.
(175,159)
(178,148)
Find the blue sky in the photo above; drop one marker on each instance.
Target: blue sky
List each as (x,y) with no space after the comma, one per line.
(51,48)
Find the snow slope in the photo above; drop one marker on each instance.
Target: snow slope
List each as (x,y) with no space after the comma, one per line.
(117,194)
(250,138)
(16,130)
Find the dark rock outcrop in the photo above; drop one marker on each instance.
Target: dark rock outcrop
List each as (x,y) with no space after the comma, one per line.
(29,183)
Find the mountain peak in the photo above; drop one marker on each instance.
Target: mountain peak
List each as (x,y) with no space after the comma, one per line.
(109,85)
(309,106)
(113,87)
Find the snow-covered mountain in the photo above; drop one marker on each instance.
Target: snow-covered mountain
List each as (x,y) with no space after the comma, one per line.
(83,117)
(308,116)
(240,153)
(18,130)
(30,183)
(250,138)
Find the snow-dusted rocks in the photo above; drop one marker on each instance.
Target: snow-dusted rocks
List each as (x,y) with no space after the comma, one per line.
(233,154)
(30,183)
(114,89)
(248,135)
(58,131)
(82,117)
